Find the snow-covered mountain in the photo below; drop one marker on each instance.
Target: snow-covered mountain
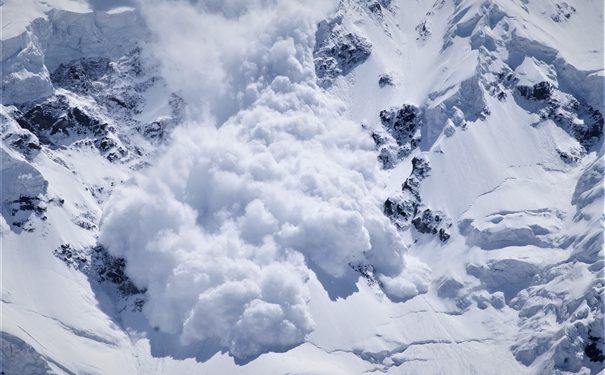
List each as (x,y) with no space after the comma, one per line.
(302,187)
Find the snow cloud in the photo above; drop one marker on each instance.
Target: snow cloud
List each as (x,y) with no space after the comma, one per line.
(265,183)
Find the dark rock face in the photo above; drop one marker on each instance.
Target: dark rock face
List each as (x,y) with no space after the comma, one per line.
(26,143)
(594,348)
(389,152)
(116,85)
(70,256)
(385,80)
(576,345)
(430,222)
(366,271)
(375,8)
(20,211)
(503,82)
(424,30)
(81,75)
(99,265)
(563,12)
(539,91)
(402,128)
(337,52)
(406,208)
(400,211)
(571,156)
(572,114)
(403,125)
(56,123)
(420,170)
(55,120)
(589,133)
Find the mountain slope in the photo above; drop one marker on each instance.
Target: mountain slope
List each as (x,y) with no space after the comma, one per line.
(373,186)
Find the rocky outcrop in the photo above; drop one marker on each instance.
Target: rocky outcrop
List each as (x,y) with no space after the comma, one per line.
(562,12)
(385,80)
(100,266)
(399,134)
(432,223)
(337,51)
(28,58)
(572,114)
(58,122)
(24,192)
(406,208)
(404,125)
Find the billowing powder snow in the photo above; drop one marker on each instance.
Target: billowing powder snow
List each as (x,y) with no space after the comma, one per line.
(266,183)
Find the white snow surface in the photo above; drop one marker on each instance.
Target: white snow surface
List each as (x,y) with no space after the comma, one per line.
(254,232)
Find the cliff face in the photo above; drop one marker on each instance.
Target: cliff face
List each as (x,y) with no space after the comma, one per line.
(387,186)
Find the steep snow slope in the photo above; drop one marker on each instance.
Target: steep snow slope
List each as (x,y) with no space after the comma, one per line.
(263,244)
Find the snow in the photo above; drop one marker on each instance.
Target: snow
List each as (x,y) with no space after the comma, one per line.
(256,228)
(17,15)
(19,178)
(532,71)
(60,35)
(235,210)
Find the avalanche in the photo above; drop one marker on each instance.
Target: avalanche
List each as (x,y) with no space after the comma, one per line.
(302,187)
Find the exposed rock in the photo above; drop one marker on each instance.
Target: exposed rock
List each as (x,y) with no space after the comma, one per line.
(563,12)
(424,30)
(577,341)
(400,211)
(595,348)
(406,208)
(539,91)
(385,80)
(375,8)
(157,131)
(389,152)
(420,170)
(572,114)
(572,155)
(367,272)
(337,52)
(404,125)
(23,192)
(28,58)
(433,223)
(81,75)
(56,122)
(99,265)
(24,142)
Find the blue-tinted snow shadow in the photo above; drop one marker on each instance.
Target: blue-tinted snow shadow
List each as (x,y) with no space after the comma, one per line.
(105,5)
(123,310)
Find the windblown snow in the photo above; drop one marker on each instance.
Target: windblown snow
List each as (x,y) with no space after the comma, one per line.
(220,230)
(277,186)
